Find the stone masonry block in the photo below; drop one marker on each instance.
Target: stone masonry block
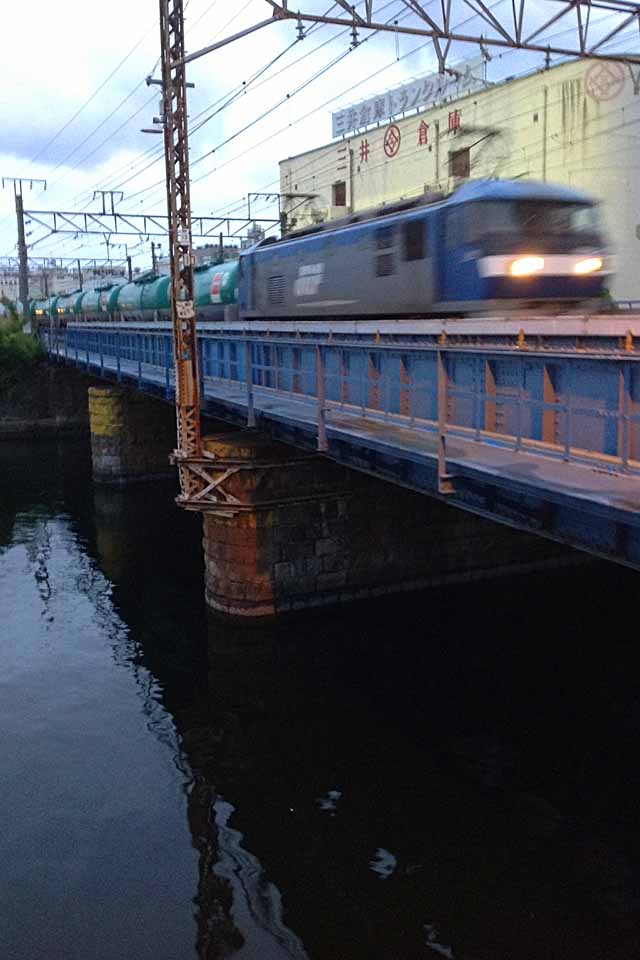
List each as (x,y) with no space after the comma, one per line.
(331,563)
(313,566)
(326,546)
(283,571)
(331,581)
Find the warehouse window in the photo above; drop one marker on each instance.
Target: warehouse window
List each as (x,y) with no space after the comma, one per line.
(414,240)
(339,191)
(460,162)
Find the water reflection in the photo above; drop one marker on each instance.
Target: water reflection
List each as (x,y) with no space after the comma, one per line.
(348,753)
(451,774)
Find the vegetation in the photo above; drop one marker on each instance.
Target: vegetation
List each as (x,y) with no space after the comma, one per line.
(609,305)
(18,350)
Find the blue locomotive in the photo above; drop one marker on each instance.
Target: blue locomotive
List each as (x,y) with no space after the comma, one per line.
(491,246)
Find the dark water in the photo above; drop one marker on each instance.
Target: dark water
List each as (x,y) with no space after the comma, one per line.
(453,774)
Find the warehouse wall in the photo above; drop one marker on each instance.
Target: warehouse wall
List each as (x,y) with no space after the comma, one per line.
(576,124)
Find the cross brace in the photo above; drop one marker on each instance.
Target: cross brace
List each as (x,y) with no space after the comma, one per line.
(520,25)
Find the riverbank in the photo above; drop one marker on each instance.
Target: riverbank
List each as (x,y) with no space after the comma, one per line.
(44,400)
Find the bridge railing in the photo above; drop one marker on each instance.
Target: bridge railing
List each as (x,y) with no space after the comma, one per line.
(568,406)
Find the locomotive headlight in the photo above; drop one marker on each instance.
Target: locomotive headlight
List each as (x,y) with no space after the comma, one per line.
(588,265)
(525,266)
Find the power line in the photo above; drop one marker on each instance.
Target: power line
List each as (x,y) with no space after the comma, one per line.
(228,99)
(266,113)
(92,97)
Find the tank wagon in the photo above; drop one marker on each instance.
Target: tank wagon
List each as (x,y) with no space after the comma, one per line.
(146,298)
(67,306)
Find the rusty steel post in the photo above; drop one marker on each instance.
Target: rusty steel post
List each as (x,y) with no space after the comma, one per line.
(323,444)
(251,417)
(445,485)
(187,387)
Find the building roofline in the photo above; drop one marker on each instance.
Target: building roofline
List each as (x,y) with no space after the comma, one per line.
(476,93)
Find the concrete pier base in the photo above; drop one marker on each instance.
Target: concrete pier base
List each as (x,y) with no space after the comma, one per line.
(131,436)
(297,532)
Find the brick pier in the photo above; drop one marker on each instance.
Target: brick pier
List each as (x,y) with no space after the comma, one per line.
(131,435)
(293,532)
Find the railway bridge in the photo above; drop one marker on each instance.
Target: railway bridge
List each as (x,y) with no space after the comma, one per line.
(337,451)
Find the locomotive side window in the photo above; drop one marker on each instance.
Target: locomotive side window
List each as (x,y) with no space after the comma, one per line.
(455,228)
(414,240)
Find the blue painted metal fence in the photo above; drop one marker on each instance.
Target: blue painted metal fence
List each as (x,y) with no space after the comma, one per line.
(568,406)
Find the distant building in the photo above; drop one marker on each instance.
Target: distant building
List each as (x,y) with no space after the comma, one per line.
(255,234)
(49,281)
(575,124)
(208,253)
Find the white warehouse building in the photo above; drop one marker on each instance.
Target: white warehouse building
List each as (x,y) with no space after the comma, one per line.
(576,124)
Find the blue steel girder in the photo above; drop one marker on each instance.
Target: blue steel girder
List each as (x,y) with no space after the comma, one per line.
(542,440)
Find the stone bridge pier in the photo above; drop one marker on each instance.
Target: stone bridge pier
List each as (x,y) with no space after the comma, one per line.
(131,435)
(291,530)
(294,530)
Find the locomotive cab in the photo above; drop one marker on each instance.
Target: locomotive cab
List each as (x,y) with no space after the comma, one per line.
(524,245)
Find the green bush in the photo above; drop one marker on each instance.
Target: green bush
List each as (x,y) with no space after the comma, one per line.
(18,351)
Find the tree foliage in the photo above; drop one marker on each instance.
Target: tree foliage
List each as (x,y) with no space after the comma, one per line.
(19,351)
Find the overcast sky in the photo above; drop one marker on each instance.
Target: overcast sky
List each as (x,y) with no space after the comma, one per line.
(56,56)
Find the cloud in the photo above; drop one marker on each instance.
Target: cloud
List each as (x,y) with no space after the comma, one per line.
(55,58)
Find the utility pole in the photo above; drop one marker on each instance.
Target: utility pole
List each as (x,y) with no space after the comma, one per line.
(22,254)
(127,257)
(79,275)
(22,243)
(153,256)
(174,119)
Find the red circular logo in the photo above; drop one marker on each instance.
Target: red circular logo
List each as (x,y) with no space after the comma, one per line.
(392,140)
(604,81)
(216,283)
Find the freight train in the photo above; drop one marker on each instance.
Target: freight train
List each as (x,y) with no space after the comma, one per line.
(145,298)
(491,246)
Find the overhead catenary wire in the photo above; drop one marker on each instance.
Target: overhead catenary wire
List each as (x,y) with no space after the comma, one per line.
(223,102)
(622,39)
(282,101)
(304,117)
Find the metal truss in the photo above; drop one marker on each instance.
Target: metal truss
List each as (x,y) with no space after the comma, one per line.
(137,224)
(521,24)
(92,263)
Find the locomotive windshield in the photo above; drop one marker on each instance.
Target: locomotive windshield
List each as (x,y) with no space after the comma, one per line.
(555,224)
